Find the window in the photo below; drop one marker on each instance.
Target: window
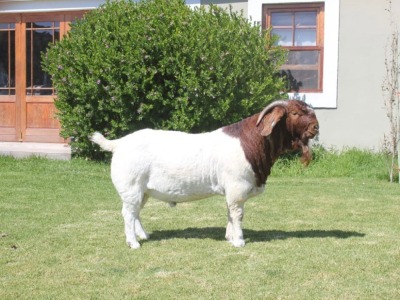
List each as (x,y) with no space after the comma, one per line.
(299,29)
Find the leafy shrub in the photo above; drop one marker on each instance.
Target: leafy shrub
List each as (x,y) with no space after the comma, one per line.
(126,66)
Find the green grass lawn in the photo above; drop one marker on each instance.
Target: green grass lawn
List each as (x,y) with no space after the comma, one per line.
(329,232)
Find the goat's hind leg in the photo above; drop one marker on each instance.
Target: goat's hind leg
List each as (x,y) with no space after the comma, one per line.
(131,205)
(138,225)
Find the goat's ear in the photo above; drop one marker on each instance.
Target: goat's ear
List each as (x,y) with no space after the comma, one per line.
(271,119)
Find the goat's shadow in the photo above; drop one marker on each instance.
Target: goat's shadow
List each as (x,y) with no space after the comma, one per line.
(252,236)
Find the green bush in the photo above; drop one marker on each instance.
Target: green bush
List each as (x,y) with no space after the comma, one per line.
(159,64)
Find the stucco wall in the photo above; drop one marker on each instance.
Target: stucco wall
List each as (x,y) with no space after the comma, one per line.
(360,117)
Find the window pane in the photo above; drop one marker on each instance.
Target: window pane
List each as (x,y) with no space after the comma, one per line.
(42,25)
(7,59)
(282,19)
(306,18)
(11,82)
(303,58)
(301,79)
(308,79)
(285,36)
(37,41)
(305,37)
(42,38)
(5,26)
(4,58)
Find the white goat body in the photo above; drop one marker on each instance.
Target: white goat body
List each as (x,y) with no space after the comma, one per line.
(176,167)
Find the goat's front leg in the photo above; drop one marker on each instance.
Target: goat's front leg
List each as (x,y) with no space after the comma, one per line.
(234,233)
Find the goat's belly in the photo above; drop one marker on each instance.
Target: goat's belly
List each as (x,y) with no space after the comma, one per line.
(182,191)
(175,196)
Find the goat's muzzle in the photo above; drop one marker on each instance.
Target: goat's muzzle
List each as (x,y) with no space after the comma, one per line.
(312,130)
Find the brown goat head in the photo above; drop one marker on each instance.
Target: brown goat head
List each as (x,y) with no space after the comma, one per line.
(293,122)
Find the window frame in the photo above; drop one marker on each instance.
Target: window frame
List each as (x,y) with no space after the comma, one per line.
(319,8)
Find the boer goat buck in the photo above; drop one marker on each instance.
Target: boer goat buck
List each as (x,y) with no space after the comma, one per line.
(234,161)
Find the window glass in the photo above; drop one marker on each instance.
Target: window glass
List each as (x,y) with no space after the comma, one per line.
(7,59)
(4,59)
(38,37)
(303,58)
(305,18)
(305,37)
(284,36)
(302,79)
(282,19)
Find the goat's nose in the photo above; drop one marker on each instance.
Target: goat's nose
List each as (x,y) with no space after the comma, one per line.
(316,127)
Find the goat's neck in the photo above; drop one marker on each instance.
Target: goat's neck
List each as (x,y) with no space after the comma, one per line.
(260,151)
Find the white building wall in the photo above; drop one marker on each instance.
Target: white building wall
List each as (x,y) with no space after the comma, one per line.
(360,117)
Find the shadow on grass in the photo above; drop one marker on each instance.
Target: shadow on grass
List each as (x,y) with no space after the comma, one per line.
(218,233)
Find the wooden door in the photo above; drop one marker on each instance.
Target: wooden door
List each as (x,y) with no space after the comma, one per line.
(27,111)
(39,123)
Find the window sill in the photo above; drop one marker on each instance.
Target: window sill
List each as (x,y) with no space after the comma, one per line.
(316,99)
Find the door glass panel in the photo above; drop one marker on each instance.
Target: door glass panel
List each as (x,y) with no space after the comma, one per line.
(7,59)
(38,37)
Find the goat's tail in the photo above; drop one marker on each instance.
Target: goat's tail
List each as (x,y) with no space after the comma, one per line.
(99,139)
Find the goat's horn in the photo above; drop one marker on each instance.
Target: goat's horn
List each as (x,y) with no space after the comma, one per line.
(270,107)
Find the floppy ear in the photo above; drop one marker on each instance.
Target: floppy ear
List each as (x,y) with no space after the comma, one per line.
(270,119)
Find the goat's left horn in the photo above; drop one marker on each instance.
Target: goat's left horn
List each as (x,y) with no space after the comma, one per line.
(269,108)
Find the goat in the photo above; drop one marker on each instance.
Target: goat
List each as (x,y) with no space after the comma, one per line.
(234,161)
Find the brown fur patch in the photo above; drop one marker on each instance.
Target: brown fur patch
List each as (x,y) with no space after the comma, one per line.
(260,151)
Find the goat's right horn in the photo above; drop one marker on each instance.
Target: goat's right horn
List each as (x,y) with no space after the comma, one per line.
(268,108)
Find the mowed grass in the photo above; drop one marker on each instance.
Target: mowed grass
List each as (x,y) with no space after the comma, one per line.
(328,232)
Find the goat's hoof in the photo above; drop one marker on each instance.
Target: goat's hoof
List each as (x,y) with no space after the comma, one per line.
(133,244)
(143,236)
(237,243)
